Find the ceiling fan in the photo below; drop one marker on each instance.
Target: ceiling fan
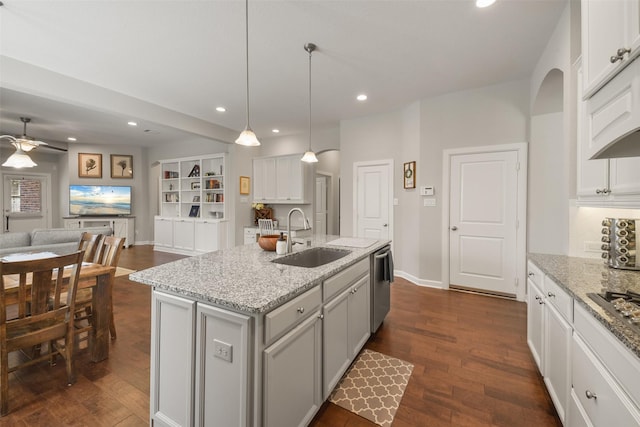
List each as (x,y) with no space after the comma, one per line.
(24,144)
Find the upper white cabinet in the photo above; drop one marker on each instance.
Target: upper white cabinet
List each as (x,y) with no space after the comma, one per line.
(280,180)
(606,182)
(610,39)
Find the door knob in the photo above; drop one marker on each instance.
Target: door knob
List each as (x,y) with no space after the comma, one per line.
(454,228)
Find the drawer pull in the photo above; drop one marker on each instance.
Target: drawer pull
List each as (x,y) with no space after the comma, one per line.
(300,310)
(551,295)
(531,274)
(590,394)
(538,297)
(320,316)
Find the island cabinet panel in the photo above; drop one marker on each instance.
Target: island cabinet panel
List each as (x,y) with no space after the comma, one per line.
(172,366)
(286,316)
(293,375)
(222,385)
(347,325)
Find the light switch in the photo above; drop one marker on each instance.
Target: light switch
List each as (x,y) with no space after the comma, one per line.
(430,202)
(395,202)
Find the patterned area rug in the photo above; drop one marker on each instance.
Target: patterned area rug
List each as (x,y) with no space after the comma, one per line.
(373,387)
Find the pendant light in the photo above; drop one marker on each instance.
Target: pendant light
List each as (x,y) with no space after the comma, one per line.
(309,155)
(20,159)
(247,136)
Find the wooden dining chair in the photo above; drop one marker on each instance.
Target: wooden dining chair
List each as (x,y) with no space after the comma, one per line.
(89,243)
(42,316)
(107,253)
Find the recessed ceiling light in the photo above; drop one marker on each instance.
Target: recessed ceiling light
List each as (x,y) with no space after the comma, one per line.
(484,3)
(71,139)
(221,109)
(361,97)
(132,123)
(275,130)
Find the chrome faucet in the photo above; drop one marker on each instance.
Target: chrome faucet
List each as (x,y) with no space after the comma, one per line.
(305,221)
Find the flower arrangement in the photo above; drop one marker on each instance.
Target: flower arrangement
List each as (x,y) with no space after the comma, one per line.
(257,206)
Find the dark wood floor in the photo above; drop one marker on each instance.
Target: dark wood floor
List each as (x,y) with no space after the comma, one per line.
(472,365)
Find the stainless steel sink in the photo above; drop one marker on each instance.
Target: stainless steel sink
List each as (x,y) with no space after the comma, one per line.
(314,257)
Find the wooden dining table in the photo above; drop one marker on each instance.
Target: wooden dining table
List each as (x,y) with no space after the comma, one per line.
(99,278)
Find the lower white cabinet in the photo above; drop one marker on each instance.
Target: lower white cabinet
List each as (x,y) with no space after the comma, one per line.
(199,364)
(172,363)
(189,236)
(293,375)
(346,330)
(557,352)
(535,323)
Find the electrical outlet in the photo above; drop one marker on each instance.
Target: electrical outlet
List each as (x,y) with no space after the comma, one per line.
(222,350)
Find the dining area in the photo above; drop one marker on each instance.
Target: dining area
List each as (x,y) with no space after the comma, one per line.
(50,304)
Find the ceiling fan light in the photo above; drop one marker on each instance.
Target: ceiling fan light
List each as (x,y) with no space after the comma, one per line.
(309,157)
(19,160)
(248,138)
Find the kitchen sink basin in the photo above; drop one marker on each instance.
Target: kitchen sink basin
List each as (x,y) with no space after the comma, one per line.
(314,257)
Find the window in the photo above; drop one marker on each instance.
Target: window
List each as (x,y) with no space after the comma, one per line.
(26,195)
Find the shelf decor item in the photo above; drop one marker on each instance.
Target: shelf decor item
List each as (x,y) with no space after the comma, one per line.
(409,175)
(244,184)
(195,210)
(121,166)
(195,171)
(89,165)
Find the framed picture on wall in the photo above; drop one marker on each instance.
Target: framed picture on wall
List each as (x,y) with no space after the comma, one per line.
(89,165)
(244,184)
(409,175)
(121,166)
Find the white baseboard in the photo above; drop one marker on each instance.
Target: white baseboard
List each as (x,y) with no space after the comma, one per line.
(417,281)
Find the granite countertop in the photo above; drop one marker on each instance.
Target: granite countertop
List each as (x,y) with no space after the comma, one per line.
(244,279)
(580,276)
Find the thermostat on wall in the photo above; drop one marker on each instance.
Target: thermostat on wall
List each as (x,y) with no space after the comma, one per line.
(427,191)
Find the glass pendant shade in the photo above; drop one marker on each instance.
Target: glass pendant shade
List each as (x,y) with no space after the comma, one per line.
(309,157)
(19,160)
(248,138)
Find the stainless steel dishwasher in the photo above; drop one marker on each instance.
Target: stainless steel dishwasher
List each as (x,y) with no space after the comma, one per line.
(381,278)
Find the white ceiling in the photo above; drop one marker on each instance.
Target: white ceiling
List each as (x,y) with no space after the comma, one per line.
(169,64)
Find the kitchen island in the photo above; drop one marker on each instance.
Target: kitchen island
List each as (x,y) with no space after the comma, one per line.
(587,352)
(239,340)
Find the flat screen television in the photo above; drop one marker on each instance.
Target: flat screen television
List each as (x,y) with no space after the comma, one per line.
(99,200)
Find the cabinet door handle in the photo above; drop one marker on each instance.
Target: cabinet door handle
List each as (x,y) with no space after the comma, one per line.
(320,316)
(531,274)
(551,295)
(590,394)
(300,310)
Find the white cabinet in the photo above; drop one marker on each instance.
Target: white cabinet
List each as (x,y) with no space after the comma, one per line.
(609,29)
(535,314)
(280,180)
(606,182)
(189,236)
(172,367)
(163,232)
(292,375)
(250,235)
(211,387)
(346,329)
(121,226)
(222,384)
(549,328)
(557,351)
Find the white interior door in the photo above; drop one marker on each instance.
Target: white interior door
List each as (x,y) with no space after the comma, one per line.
(26,202)
(483,220)
(373,195)
(321,205)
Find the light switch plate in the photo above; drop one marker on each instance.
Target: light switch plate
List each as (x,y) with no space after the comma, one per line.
(429,202)
(222,350)
(427,191)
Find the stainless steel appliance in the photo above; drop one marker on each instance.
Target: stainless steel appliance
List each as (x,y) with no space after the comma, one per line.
(623,305)
(619,237)
(381,278)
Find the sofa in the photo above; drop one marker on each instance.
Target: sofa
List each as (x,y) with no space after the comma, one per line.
(57,240)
